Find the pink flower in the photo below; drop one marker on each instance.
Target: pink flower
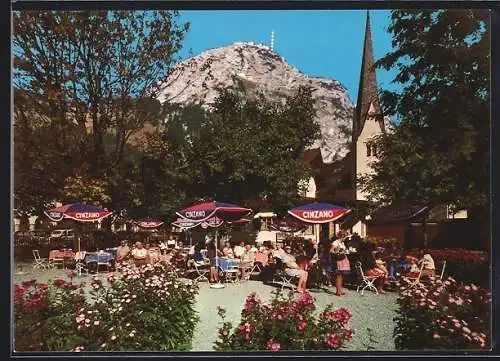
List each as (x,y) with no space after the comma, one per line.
(302,326)
(273,346)
(436,336)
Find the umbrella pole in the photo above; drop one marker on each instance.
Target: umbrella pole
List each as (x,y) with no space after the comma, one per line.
(79,258)
(218,284)
(317,239)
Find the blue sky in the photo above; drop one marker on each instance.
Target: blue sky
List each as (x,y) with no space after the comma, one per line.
(325,43)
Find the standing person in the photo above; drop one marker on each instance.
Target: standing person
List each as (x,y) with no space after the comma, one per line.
(211,254)
(338,251)
(123,251)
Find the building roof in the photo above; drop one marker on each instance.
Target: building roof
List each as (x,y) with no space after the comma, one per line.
(367,91)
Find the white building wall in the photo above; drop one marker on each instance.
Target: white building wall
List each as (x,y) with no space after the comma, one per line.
(370,130)
(311,188)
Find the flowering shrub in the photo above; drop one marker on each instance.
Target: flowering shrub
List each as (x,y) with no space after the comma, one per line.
(285,324)
(146,309)
(465,265)
(443,315)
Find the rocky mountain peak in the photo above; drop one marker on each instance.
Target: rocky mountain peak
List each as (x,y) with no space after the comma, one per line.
(261,69)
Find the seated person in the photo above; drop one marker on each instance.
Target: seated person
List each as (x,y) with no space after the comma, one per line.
(140,254)
(166,257)
(369,265)
(154,254)
(254,248)
(397,262)
(293,269)
(248,255)
(427,264)
(278,252)
(198,258)
(163,246)
(170,243)
(122,252)
(227,251)
(239,249)
(414,270)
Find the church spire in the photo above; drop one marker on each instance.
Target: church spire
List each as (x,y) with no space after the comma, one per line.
(367,92)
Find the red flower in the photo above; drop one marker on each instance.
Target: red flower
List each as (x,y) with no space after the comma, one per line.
(273,346)
(27,284)
(347,335)
(58,282)
(302,326)
(71,274)
(43,286)
(18,291)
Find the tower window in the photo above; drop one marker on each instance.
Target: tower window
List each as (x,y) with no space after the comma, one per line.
(368,149)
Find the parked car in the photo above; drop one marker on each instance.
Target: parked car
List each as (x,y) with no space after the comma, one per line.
(40,234)
(62,233)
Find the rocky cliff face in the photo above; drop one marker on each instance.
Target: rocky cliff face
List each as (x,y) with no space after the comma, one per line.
(259,68)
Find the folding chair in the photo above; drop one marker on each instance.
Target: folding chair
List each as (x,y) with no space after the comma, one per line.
(249,269)
(414,281)
(365,281)
(41,263)
(201,270)
(281,277)
(80,265)
(231,273)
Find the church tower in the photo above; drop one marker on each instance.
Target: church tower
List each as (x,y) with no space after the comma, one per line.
(368,117)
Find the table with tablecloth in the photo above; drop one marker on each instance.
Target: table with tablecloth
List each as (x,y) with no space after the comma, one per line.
(227,263)
(98,257)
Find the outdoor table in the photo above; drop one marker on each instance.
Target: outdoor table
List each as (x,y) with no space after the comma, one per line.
(64,255)
(227,263)
(98,257)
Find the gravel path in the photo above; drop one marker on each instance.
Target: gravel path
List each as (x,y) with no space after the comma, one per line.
(369,311)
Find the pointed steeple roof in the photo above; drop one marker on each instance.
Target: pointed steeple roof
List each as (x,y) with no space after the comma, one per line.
(367,92)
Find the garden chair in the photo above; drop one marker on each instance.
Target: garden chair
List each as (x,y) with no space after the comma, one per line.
(414,281)
(231,274)
(201,270)
(249,269)
(281,277)
(80,266)
(41,263)
(365,281)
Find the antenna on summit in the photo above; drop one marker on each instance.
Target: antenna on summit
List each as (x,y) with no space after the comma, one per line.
(272,40)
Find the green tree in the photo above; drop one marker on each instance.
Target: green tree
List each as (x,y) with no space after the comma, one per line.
(85,84)
(97,69)
(439,151)
(244,148)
